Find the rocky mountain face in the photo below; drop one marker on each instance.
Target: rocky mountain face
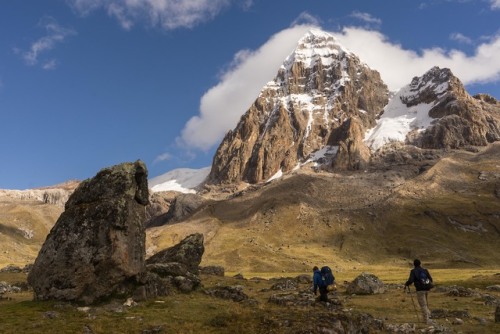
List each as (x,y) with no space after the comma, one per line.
(461,120)
(322,95)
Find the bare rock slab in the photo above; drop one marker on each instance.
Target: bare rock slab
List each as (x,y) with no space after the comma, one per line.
(98,242)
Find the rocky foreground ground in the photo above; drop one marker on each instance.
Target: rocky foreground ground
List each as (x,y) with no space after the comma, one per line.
(229,304)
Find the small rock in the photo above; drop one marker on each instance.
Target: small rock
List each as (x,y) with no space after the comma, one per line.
(50,314)
(457,321)
(130,302)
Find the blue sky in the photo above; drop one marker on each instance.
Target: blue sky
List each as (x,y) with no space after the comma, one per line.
(85,84)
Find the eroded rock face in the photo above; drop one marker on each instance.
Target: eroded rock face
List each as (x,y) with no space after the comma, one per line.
(461,120)
(188,253)
(98,242)
(181,206)
(319,87)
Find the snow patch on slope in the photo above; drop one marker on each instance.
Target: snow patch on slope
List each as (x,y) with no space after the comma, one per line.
(182,179)
(399,118)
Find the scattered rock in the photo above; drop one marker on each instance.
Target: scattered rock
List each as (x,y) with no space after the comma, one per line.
(457,321)
(493,287)
(459,291)
(234,293)
(212,270)
(98,241)
(366,284)
(11,269)
(443,313)
(497,314)
(50,315)
(130,302)
(405,328)
(304,279)
(293,299)
(285,284)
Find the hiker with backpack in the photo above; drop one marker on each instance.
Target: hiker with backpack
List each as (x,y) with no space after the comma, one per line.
(422,280)
(324,281)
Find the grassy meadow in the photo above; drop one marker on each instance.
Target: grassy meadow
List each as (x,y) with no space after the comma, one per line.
(198,312)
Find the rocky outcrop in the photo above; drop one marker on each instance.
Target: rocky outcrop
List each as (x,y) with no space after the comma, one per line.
(98,242)
(352,154)
(319,88)
(461,120)
(174,268)
(187,253)
(434,111)
(47,196)
(366,284)
(180,207)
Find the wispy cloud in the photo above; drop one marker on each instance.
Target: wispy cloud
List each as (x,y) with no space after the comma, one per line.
(166,14)
(49,65)
(461,38)
(495,4)
(237,89)
(366,17)
(222,106)
(54,34)
(163,157)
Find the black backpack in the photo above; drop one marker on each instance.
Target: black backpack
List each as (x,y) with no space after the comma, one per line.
(327,278)
(423,279)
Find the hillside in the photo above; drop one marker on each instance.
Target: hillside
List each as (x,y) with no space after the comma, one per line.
(449,216)
(24,225)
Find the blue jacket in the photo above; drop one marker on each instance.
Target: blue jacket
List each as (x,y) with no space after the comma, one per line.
(317,280)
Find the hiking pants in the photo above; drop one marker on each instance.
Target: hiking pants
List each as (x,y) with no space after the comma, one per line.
(323,294)
(422,301)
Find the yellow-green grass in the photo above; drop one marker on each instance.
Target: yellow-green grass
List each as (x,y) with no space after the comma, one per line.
(199,313)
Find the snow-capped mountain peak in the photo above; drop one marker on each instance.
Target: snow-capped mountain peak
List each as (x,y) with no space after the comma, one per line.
(316,45)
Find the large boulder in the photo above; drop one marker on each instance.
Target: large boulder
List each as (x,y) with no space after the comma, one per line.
(174,268)
(98,242)
(366,284)
(188,253)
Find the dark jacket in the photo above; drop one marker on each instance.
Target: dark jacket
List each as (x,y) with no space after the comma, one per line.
(414,278)
(317,280)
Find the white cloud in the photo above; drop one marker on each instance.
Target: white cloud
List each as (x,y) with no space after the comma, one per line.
(495,4)
(461,38)
(397,65)
(55,34)
(366,17)
(222,106)
(167,14)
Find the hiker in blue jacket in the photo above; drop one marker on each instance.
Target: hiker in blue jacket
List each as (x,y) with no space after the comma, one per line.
(318,284)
